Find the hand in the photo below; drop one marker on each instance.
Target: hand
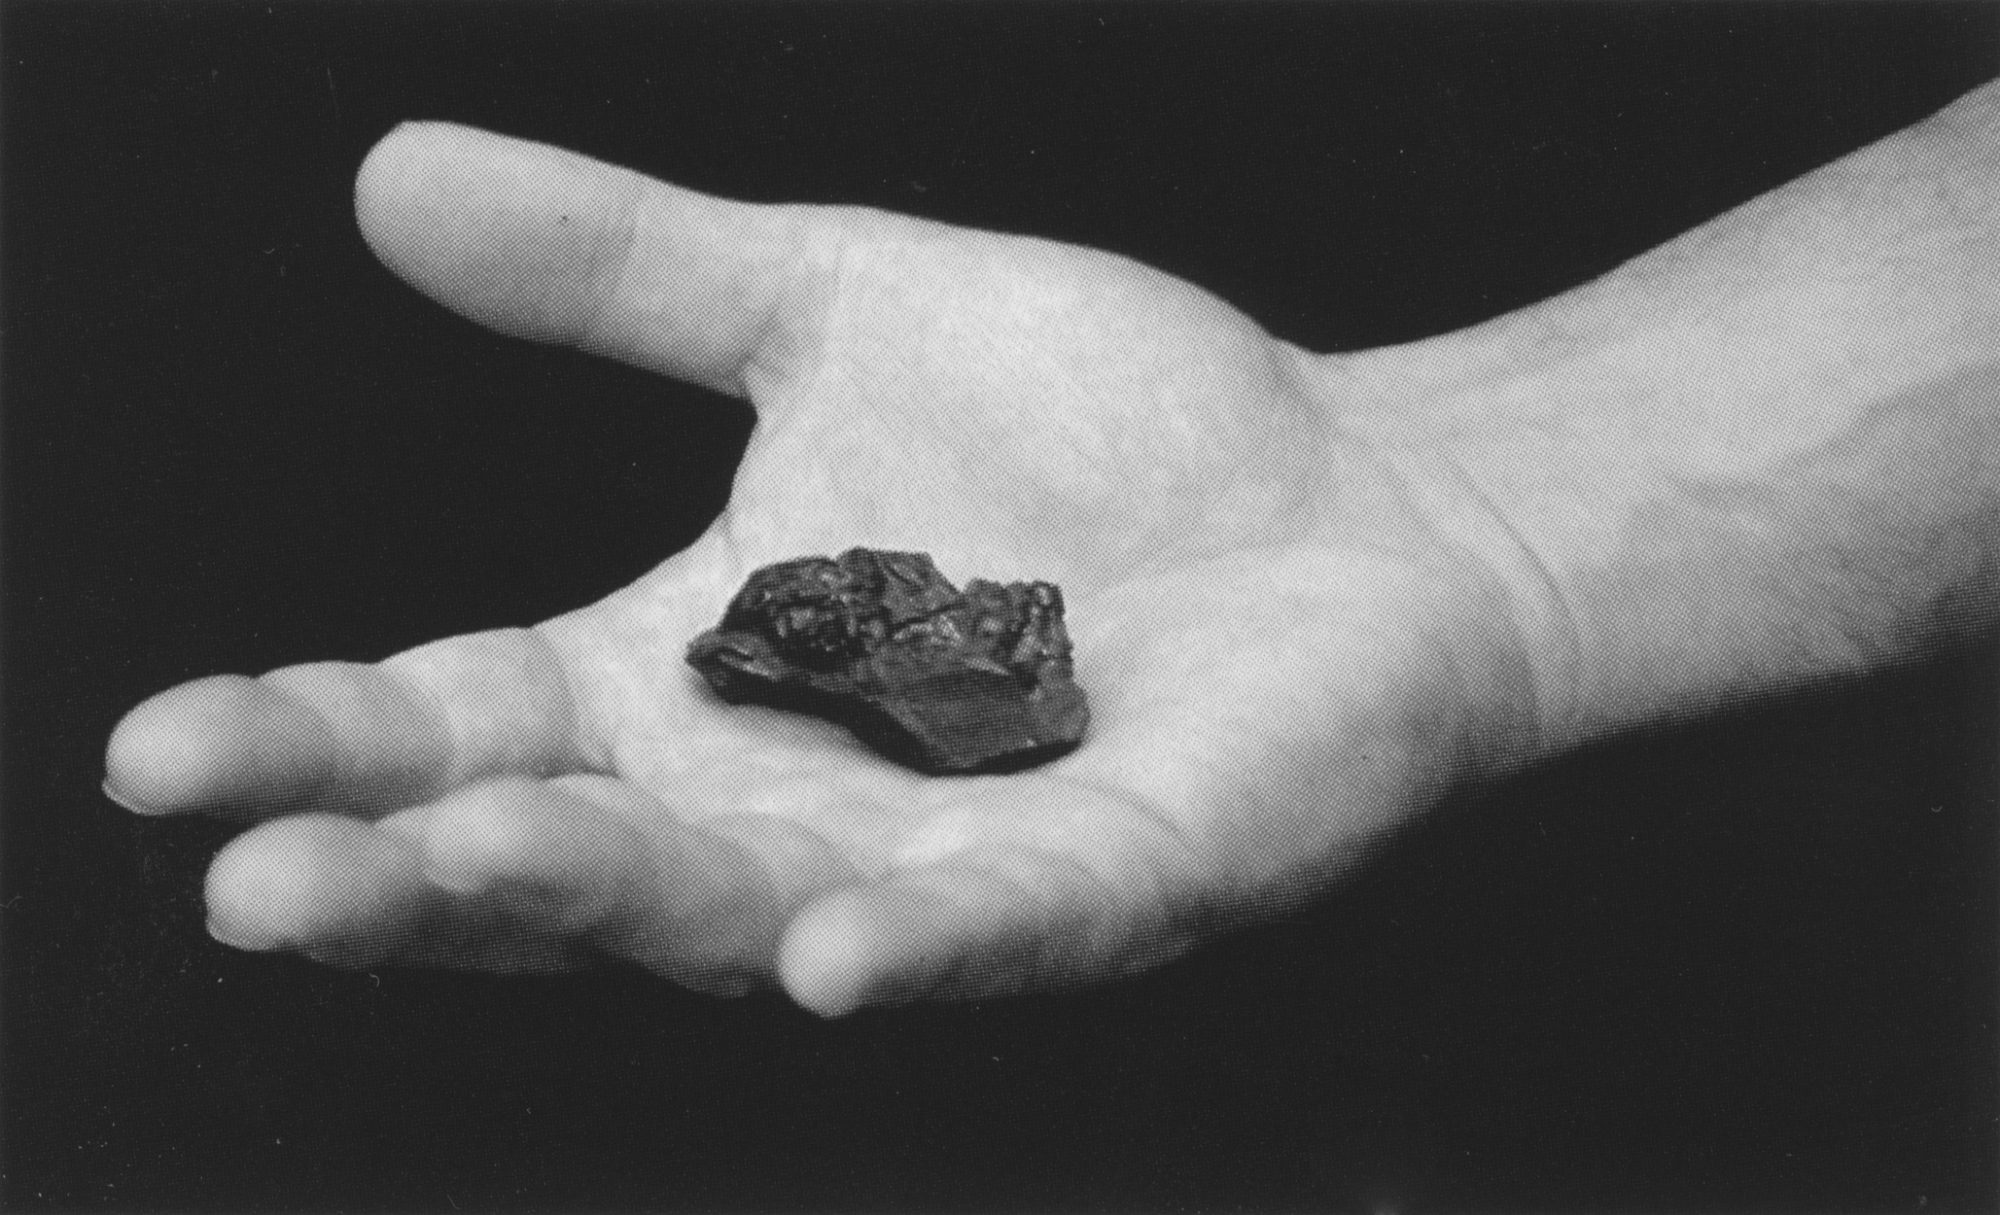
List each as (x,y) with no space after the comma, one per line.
(1293,640)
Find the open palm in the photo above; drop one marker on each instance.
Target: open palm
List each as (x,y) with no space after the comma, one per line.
(1284,659)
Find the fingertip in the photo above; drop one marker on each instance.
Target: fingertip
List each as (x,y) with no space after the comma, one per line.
(870,946)
(1007,921)
(566,856)
(396,167)
(316,882)
(824,961)
(221,742)
(477,837)
(541,243)
(521,237)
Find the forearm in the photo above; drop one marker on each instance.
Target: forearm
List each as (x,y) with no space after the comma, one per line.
(1765,454)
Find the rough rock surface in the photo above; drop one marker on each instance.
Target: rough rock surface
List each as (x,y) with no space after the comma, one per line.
(941,680)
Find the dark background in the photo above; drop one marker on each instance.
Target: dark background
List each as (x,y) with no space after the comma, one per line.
(1745,965)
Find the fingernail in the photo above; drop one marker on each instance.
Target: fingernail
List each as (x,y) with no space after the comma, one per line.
(246,942)
(121,802)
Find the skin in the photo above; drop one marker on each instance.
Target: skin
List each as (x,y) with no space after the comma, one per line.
(1763,455)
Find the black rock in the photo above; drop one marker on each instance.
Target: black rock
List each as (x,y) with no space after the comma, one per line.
(941,680)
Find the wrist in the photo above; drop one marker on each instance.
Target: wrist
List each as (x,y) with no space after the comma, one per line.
(1765,454)
(1498,623)
(1411,481)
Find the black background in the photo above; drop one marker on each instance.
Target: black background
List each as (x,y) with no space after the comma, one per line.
(1745,965)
